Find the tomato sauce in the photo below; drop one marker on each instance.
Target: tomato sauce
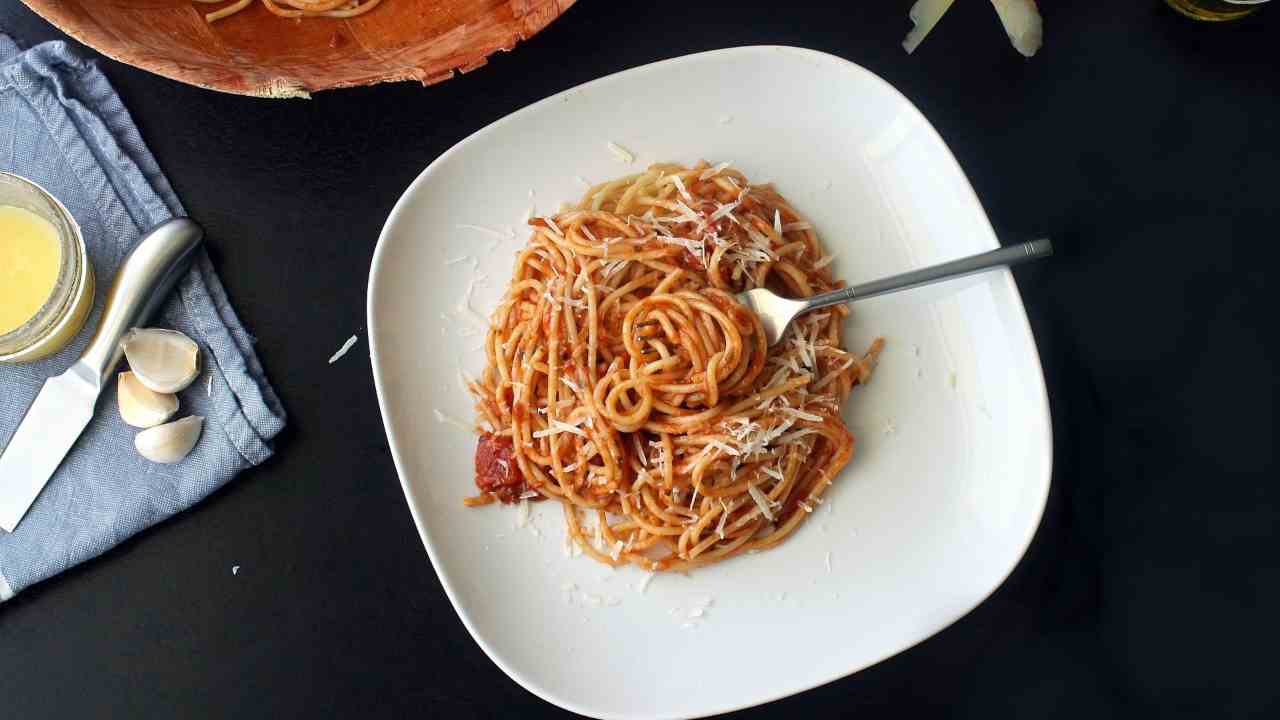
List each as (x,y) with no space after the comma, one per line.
(689,261)
(496,469)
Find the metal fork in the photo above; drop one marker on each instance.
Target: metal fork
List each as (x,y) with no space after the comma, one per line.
(777,312)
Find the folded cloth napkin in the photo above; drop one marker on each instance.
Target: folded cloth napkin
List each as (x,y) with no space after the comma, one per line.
(65,128)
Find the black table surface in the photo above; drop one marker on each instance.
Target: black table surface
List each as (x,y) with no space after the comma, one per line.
(1145,144)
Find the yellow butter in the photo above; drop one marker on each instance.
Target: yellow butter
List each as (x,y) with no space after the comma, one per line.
(30,258)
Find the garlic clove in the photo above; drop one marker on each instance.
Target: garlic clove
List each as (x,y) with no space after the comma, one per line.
(1022,23)
(924,15)
(171,442)
(140,406)
(165,361)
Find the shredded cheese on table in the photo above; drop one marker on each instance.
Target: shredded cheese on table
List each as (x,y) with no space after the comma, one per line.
(343,350)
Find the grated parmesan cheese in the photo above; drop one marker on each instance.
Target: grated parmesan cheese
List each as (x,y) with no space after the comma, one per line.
(644,583)
(447,420)
(684,193)
(801,414)
(557,427)
(713,171)
(688,215)
(500,234)
(761,501)
(724,448)
(621,153)
(613,266)
(725,210)
(341,351)
(795,435)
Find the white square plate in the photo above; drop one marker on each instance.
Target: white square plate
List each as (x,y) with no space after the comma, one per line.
(953,457)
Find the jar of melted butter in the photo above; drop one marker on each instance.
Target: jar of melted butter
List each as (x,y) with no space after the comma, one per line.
(46,280)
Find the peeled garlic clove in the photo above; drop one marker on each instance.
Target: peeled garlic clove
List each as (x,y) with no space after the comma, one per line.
(165,361)
(1022,23)
(140,406)
(170,442)
(924,15)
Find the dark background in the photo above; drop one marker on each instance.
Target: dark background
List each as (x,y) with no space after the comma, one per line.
(1145,144)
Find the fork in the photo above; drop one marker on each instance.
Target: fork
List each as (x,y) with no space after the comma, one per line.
(777,312)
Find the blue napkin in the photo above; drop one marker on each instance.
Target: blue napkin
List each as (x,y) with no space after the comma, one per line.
(63,126)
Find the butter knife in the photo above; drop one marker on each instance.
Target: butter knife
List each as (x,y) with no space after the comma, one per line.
(65,404)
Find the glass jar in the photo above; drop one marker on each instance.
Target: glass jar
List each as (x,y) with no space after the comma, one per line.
(64,311)
(1215,10)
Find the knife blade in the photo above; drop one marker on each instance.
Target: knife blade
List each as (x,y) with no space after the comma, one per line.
(48,430)
(65,404)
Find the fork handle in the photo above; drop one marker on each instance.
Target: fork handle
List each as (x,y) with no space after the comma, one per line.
(1005,256)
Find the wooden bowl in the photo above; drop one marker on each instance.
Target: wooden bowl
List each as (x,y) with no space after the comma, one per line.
(257,53)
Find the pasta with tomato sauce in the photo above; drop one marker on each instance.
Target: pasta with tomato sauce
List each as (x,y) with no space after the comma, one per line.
(293,8)
(625,382)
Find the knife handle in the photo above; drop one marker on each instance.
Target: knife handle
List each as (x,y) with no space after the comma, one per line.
(143,281)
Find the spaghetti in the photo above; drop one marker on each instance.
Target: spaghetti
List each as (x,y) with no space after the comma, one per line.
(295,8)
(625,381)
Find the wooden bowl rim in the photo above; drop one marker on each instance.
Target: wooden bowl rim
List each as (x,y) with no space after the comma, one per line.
(536,15)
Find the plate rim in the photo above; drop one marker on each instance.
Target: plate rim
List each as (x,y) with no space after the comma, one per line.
(1039,403)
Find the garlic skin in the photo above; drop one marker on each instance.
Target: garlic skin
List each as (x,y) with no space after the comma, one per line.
(140,406)
(165,361)
(171,442)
